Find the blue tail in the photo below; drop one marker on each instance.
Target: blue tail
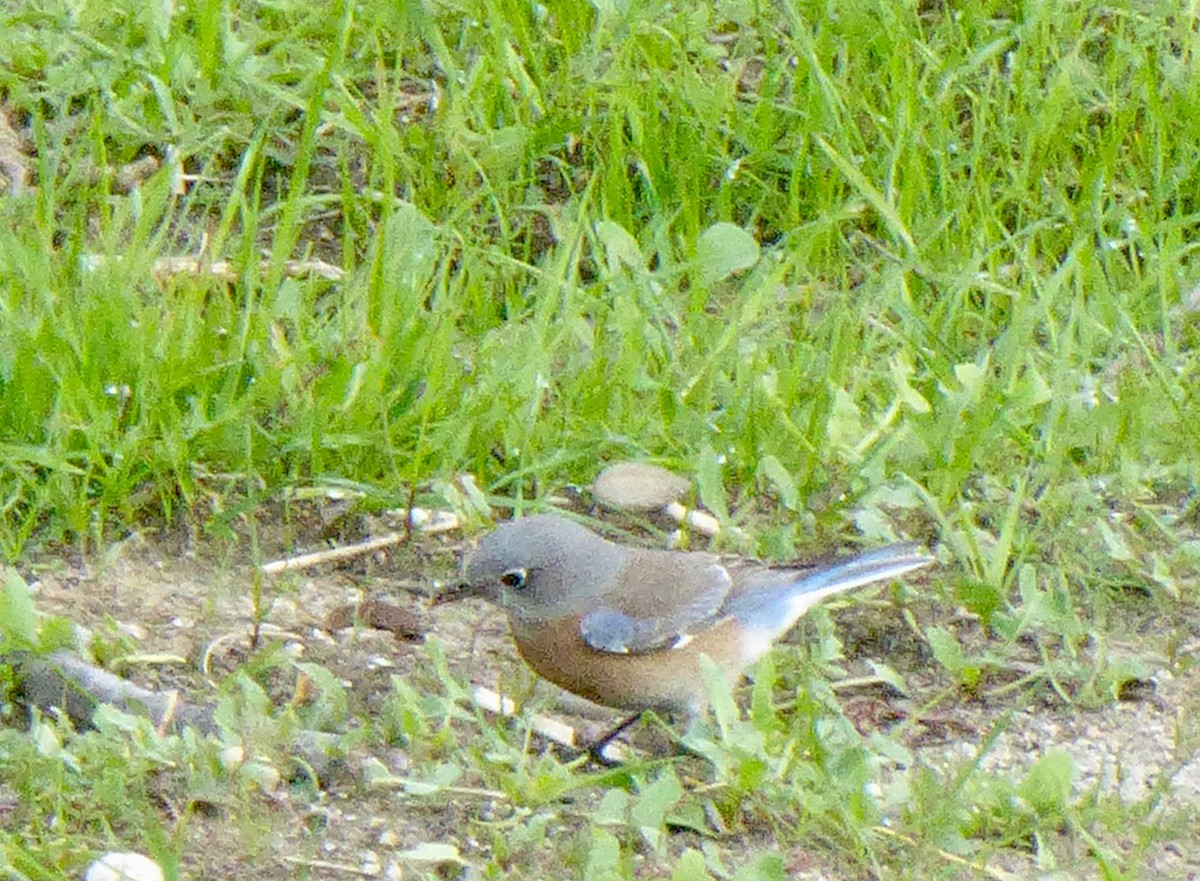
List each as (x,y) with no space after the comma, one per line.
(775,599)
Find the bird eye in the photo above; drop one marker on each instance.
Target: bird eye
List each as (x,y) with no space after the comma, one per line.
(514,578)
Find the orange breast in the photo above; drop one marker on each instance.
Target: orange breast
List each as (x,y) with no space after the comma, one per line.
(668,680)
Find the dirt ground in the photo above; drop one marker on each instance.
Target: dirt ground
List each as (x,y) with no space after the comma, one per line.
(175,600)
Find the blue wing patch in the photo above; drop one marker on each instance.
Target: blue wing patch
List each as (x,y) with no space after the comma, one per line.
(607,630)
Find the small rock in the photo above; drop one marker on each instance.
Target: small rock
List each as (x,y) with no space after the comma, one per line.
(116,866)
(637,486)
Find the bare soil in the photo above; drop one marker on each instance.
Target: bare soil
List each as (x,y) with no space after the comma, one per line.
(177,601)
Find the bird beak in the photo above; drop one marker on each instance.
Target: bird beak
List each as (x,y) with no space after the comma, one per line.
(451,593)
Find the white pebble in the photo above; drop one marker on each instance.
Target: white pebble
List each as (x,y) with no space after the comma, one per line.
(114,866)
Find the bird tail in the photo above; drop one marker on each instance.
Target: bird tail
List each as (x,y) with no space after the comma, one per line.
(777,602)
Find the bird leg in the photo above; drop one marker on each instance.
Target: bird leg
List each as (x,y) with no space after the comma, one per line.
(596,750)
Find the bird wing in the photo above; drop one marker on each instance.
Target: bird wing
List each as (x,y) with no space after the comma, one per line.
(661,599)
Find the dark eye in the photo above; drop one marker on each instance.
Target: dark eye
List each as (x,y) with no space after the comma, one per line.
(514,578)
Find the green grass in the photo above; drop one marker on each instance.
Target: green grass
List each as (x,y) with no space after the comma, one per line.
(861,269)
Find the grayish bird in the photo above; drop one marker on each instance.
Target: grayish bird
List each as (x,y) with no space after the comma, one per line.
(626,627)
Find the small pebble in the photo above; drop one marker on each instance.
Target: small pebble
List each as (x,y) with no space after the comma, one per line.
(115,866)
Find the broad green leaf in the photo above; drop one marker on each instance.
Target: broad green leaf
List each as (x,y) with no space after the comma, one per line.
(691,867)
(722,250)
(949,653)
(902,370)
(980,598)
(724,709)
(613,809)
(1118,548)
(604,857)
(780,479)
(768,867)
(1047,786)
(972,376)
(410,253)
(18,616)
(710,482)
(844,426)
(651,806)
(620,248)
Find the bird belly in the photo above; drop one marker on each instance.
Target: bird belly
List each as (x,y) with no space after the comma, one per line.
(668,679)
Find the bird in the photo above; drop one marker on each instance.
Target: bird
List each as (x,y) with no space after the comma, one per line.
(626,627)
